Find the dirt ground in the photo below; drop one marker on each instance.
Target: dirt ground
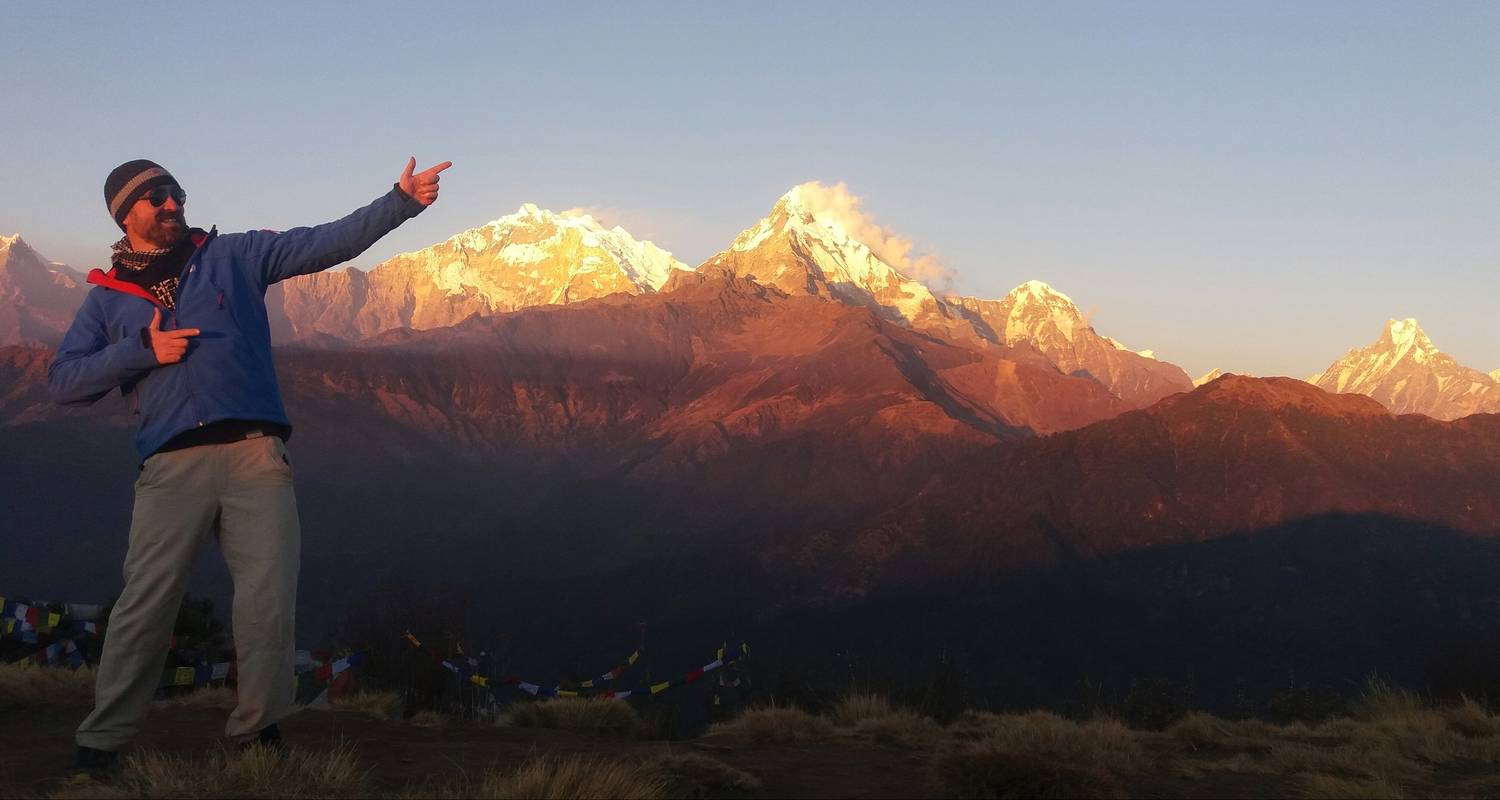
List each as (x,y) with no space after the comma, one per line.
(36,748)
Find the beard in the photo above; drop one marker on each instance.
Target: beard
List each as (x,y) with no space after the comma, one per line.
(168,230)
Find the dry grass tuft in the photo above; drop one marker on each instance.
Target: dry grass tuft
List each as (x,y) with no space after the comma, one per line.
(555,779)
(1037,755)
(39,687)
(1380,700)
(1201,730)
(381,705)
(777,725)
(874,716)
(1205,731)
(1345,761)
(853,708)
(690,775)
(256,773)
(218,698)
(581,714)
(1472,720)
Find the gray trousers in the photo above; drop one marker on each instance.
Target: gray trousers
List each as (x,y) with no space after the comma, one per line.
(242,494)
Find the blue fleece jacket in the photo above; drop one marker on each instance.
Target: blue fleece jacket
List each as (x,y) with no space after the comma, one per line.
(227,371)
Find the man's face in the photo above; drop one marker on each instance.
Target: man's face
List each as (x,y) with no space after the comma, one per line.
(158,225)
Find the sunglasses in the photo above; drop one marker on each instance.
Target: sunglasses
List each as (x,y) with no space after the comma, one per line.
(159,195)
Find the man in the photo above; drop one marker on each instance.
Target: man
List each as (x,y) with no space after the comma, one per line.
(179,323)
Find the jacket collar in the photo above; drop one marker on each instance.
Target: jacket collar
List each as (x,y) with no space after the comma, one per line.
(110,280)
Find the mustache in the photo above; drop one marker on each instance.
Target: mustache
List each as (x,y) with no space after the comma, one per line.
(173,216)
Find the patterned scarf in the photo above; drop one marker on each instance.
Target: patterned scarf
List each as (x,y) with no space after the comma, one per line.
(133,264)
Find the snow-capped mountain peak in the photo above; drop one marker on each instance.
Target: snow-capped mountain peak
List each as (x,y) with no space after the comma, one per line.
(1495,374)
(532,257)
(531,234)
(1407,339)
(1212,375)
(803,247)
(1406,372)
(1034,304)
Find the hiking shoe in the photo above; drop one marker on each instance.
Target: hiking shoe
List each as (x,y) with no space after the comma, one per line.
(268,737)
(90,762)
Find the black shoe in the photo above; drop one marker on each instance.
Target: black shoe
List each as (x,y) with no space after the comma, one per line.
(93,762)
(269,737)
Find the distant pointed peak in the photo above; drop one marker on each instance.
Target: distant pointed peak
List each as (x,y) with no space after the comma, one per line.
(1211,375)
(1495,374)
(7,241)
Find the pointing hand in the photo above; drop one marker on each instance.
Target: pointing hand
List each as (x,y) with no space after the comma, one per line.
(169,346)
(424,185)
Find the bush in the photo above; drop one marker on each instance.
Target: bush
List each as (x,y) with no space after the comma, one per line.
(777,725)
(901,729)
(555,779)
(254,773)
(852,708)
(690,775)
(381,705)
(1037,755)
(40,687)
(581,714)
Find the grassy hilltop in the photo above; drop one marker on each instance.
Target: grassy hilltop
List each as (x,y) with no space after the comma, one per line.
(1390,744)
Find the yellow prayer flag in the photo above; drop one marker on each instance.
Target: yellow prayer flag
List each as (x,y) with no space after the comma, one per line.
(589,684)
(183,676)
(566,693)
(53,620)
(658,688)
(633,657)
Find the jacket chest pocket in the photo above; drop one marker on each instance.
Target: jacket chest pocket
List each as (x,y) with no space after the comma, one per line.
(217,305)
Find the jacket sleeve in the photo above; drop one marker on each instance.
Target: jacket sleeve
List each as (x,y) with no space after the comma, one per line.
(299,251)
(87,366)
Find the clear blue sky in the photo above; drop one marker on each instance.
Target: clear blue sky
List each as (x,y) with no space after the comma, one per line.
(1254,186)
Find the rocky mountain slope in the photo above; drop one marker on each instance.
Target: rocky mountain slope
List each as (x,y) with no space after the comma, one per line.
(1035,314)
(37,298)
(1234,456)
(720,406)
(1408,374)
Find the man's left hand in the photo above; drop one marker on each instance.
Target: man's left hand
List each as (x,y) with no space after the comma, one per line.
(423,186)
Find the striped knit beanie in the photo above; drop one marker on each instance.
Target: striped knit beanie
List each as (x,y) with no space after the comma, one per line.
(128,182)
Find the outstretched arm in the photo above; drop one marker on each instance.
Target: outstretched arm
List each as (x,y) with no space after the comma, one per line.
(303,250)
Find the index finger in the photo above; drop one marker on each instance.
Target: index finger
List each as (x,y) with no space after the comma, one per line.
(180,333)
(439,168)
